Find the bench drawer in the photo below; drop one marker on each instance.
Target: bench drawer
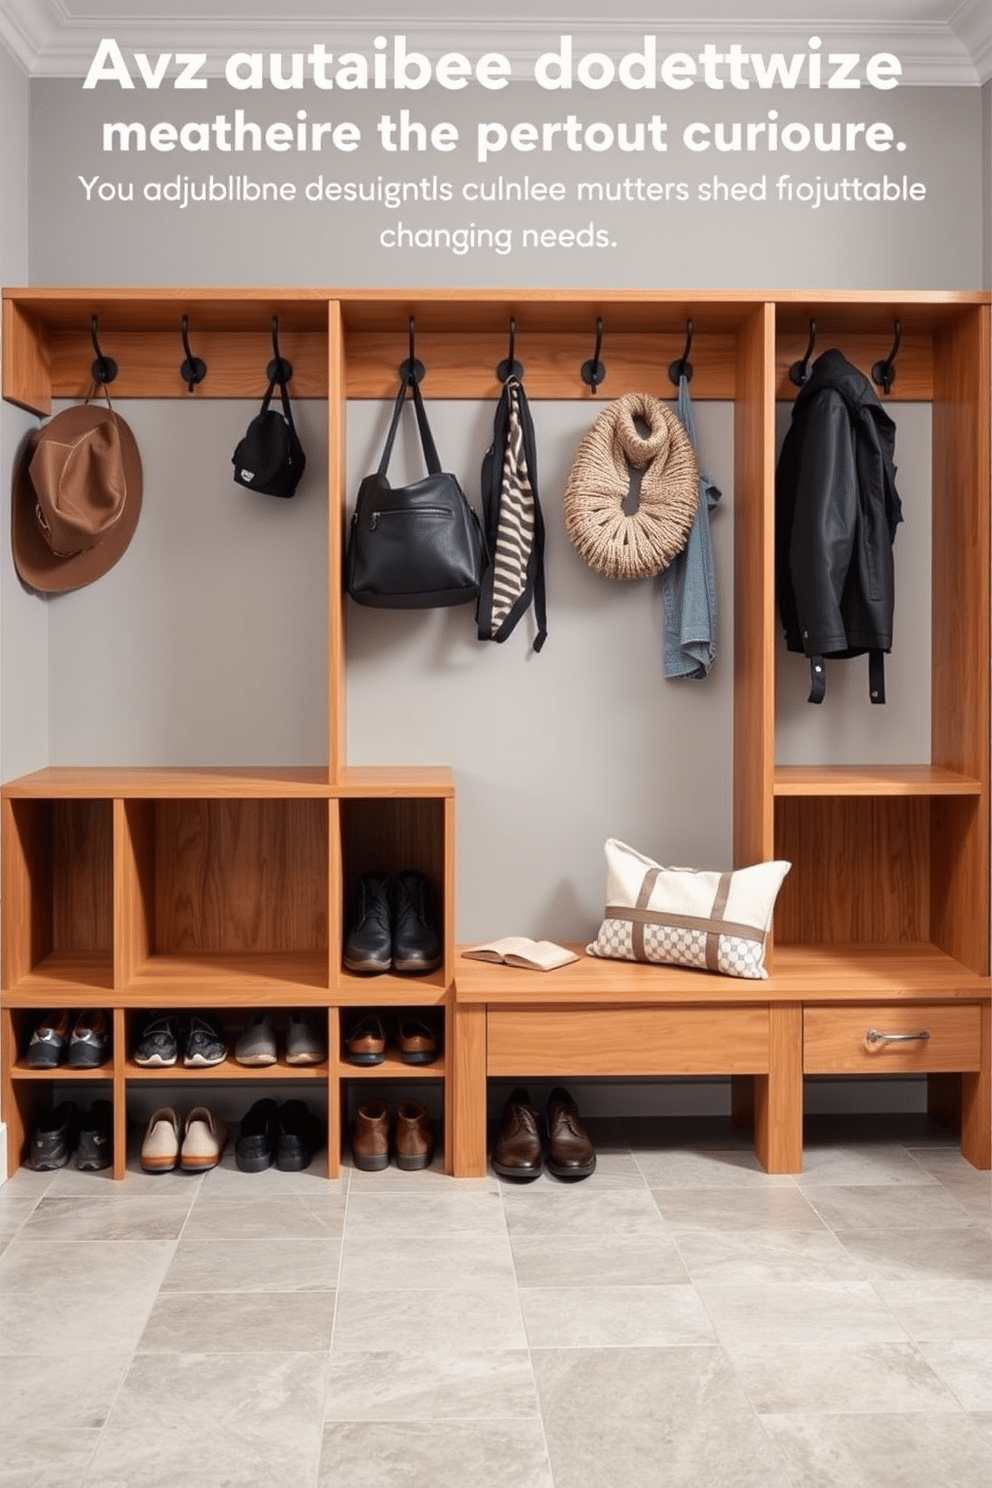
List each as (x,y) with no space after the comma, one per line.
(628,1041)
(885,1038)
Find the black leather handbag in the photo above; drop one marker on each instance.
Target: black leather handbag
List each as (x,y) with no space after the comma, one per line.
(415,547)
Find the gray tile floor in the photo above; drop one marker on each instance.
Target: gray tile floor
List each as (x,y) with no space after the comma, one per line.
(680,1318)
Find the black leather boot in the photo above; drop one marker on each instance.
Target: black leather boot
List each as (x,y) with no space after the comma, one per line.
(416,944)
(369,946)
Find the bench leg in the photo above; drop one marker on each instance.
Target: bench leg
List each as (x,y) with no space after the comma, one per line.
(976,1103)
(778,1096)
(467,1062)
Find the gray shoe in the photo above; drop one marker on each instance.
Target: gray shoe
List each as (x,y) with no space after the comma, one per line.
(304,1044)
(257,1042)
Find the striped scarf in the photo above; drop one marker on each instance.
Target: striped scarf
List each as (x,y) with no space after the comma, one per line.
(513,523)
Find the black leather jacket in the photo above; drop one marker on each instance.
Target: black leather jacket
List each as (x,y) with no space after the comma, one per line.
(836,512)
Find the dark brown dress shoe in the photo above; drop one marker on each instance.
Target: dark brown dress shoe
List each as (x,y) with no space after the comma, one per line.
(370,1136)
(414,1136)
(517,1153)
(570,1150)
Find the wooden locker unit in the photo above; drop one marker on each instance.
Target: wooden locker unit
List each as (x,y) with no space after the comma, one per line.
(229,889)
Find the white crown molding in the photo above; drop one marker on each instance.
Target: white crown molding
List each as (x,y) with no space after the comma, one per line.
(48,42)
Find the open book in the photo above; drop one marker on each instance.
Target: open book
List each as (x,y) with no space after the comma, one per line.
(520,950)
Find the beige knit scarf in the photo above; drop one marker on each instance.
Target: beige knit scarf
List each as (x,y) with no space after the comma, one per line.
(642,543)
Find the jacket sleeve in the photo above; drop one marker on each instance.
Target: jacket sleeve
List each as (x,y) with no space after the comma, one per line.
(825,522)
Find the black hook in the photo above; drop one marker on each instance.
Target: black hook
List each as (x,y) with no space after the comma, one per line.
(411,370)
(193,369)
(509,367)
(799,371)
(104,368)
(594,372)
(278,370)
(683,367)
(884,373)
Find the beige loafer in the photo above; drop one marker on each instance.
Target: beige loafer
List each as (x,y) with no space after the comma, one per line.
(163,1135)
(204,1141)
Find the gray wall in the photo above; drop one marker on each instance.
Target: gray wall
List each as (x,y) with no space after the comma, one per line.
(23,620)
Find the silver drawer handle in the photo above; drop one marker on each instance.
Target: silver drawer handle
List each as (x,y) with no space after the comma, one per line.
(874,1037)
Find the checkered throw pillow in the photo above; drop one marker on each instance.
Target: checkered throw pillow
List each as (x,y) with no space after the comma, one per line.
(686,917)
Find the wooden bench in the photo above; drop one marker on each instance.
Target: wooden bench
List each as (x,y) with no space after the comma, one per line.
(812,1016)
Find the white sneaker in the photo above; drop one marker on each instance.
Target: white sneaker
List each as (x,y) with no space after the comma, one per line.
(160,1148)
(204,1141)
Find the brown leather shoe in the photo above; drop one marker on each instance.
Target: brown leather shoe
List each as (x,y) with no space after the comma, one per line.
(414,1137)
(517,1152)
(418,1044)
(370,1136)
(365,1043)
(570,1150)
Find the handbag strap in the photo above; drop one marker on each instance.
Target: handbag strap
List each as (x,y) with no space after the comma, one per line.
(287,407)
(426,437)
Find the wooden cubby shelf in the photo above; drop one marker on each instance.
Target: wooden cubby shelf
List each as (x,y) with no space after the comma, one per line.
(231,888)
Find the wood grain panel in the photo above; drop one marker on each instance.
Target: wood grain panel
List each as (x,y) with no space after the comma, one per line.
(241,876)
(627,1041)
(960,686)
(337,692)
(82,877)
(976,1101)
(26,852)
(463,365)
(393,834)
(754,479)
(913,380)
(856,869)
(148,362)
(778,1094)
(872,780)
(26,373)
(466,1100)
(834,1039)
(134,887)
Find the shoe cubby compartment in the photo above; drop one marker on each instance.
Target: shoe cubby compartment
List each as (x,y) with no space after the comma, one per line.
(58,900)
(225,896)
(230,1022)
(392,1066)
(394,834)
(20,1023)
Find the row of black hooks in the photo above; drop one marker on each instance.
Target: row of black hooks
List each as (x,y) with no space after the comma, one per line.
(193,369)
(883,372)
(592,372)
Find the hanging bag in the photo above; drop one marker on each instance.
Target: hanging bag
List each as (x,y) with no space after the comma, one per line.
(270,457)
(415,547)
(513,521)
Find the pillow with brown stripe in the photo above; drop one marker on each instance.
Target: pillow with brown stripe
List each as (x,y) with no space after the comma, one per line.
(687,917)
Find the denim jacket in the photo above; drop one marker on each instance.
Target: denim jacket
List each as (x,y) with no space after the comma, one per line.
(688,584)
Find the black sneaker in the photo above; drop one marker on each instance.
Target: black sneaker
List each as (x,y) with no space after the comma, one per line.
(205,1045)
(416,945)
(54,1138)
(159,1045)
(256,1142)
(299,1135)
(49,1042)
(369,946)
(96,1137)
(89,1042)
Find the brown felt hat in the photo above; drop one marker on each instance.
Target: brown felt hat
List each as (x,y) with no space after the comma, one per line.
(77,498)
